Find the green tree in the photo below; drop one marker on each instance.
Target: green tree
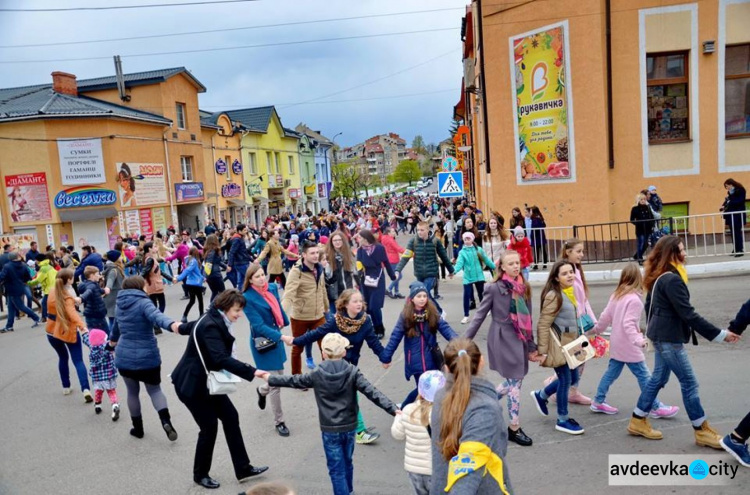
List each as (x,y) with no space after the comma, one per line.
(418,145)
(407,171)
(346,178)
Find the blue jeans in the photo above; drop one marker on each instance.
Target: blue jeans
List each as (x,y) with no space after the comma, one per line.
(339,449)
(469,294)
(639,370)
(429,283)
(672,358)
(239,275)
(76,354)
(561,386)
(44,305)
(642,242)
(16,306)
(394,284)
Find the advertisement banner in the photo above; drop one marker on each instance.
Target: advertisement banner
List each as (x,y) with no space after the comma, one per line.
(159,218)
(323,190)
(231,190)
(141,184)
(147,224)
(85,196)
(81,161)
(132,223)
(540,81)
(20,242)
(189,191)
(28,200)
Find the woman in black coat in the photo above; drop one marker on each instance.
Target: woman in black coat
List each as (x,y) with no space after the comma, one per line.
(735,219)
(372,261)
(643,218)
(213,335)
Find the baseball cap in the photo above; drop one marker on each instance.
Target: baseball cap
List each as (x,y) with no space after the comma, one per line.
(429,383)
(335,344)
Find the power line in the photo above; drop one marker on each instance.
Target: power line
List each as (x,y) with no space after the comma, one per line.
(310,102)
(242,28)
(226,48)
(123,7)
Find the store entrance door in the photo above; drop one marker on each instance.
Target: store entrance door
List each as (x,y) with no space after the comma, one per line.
(91,233)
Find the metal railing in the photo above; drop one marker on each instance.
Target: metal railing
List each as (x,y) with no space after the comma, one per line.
(617,241)
(713,234)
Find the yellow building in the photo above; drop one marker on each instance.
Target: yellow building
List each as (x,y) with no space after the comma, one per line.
(578,123)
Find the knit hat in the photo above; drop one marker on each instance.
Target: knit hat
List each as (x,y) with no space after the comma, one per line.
(335,344)
(518,230)
(113,255)
(468,236)
(31,263)
(652,188)
(417,287)
(429,383)
(97,337)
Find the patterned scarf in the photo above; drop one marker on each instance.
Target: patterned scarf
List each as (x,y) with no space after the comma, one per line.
(420,316)
(519,310)
(349,325)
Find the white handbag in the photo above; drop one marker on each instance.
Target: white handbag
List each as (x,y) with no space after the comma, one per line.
(219,382)
(372,281)
(577,352)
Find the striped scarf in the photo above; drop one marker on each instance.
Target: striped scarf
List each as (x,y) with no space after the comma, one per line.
(519,310)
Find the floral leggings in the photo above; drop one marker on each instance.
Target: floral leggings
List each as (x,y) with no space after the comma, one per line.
(512,389)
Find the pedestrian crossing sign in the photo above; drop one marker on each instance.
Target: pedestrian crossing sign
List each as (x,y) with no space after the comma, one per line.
(450,184)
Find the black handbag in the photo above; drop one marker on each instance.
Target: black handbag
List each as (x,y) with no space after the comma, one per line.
(437,356)
(263,344)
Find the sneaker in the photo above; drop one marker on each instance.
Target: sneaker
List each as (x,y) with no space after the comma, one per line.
(464,320)
(36,324)
(310,363)
(737,450)
(366,437)
(3,330)
(570,426)
(67,391)
(541,404)
(390,294)
(576,397)
(98,408)
(87,397)
(115,412)
(664,412)
(603,408)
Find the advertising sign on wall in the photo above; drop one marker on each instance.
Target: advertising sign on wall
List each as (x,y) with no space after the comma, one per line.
(81,161)
(189,191)
(85,196)
(132,222)
(141,184)
(231,190)
(221,167)
(159,217)
(323,190)
(28,200)
(147,223)
(253,189)
(540,81)
(236,167)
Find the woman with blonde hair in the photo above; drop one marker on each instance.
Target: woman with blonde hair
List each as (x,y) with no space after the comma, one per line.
(273,250)
(643,218)
(63,325)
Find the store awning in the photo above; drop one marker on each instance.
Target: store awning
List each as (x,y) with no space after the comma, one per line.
(238,202)
(79,215)
(260,199)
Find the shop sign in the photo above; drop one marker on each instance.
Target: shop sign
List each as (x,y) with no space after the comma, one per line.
(236,167)
(85,196)
(221,167)
(294,193)
(271,180)
(141,184)
(323,190)
(310,190)
(28,200)
(81,161)
(231,190)
(132,222)
(253,189)
(50,235)
(159,218)
(189,191)
(543,110)
(279,181)
(147,223)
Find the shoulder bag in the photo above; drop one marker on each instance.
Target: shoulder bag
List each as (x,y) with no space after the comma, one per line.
(577,352)
(373,281)
(219,382)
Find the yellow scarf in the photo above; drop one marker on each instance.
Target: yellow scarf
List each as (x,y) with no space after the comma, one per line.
(572,296)
(471,457)
(681,271)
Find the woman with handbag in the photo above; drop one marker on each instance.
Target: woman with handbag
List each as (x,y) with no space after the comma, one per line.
(267,318)
(510,338)
(63,323)
(558,326)
(208,356)
(418,326)
(372,260)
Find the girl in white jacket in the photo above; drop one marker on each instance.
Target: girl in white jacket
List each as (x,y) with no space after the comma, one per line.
(414,426)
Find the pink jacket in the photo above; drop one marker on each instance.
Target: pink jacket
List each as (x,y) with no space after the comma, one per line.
(392,249)
(626,341)
(180,253)
(580,292)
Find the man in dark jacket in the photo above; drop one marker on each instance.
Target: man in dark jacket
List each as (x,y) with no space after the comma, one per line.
(239,257)
(32,253)
(14,277)
(90,258)
(736,442)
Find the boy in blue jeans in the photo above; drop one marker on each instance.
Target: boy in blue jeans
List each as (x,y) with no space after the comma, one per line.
(336,384)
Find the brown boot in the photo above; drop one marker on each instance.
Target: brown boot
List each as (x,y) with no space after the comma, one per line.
(641,427)
(708,437)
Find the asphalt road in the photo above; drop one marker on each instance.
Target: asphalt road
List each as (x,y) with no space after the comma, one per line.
(50,443)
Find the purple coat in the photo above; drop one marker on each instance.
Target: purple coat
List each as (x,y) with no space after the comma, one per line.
(507,354)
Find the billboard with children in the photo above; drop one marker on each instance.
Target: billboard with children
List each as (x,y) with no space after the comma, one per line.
(543,113)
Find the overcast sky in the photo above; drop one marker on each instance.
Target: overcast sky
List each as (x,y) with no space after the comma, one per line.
(284,76)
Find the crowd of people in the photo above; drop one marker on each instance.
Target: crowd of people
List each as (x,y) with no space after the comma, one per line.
(321,279)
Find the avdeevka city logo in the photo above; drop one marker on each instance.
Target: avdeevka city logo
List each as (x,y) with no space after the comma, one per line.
(698,469)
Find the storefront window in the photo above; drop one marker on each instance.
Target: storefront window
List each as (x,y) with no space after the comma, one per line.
(737,91)
(668,97)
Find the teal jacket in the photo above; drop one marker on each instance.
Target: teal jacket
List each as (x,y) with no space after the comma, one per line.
(468,261)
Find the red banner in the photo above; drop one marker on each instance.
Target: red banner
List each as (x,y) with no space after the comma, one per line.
(147,223)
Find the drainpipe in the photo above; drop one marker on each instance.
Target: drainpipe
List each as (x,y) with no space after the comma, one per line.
(483,85)
(212,168)
(610,117)
(172,207)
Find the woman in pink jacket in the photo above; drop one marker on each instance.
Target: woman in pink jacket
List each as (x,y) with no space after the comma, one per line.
(627,341)
(394,251)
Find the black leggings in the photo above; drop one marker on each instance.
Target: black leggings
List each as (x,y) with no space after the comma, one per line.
(195,292)
(743,429)
(159,301)
(272,278)
(217,287)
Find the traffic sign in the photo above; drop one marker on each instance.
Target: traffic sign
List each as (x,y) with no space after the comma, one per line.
(449,164)
(450,184)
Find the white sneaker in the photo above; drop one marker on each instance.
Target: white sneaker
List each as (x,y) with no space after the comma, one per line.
(67,391)
(464,320)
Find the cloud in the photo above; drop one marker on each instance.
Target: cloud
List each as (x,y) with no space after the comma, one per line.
(276,75)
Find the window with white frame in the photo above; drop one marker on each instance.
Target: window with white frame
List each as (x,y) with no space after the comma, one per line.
(277,162)
(668,97)
(186,163)
(181,115)
(269,162)
(253,166)
(737,91)
(291,164)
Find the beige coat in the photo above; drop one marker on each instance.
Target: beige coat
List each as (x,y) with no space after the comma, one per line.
(273,251)
(305,298)
(546,344)
(418,452)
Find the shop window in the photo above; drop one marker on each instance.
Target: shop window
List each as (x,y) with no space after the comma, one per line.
(181,119)
(737,91)
(291,164)
(253,166)
(668,97)
(186,163)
